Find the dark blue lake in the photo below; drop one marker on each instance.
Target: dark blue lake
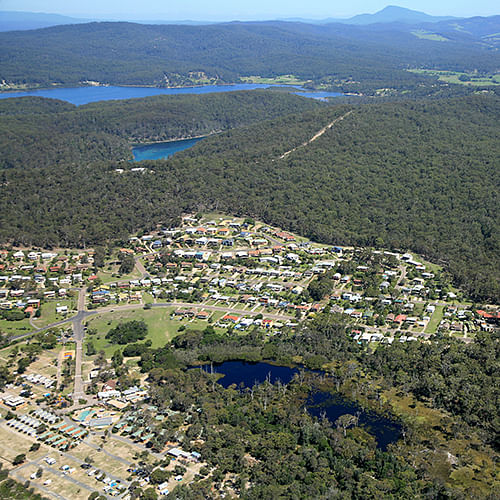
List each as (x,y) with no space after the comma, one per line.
(162,150)
(385,430)
(84,95)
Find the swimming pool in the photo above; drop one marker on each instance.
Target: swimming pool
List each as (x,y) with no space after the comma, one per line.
(85,414)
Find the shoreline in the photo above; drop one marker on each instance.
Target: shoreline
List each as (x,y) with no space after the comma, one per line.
(141,144)
(73,86)
(150,86)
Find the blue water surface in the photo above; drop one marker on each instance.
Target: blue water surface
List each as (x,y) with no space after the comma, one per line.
(162,150)
(84,95)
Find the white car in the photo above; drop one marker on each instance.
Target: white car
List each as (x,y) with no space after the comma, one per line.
(47,482)
(33,476)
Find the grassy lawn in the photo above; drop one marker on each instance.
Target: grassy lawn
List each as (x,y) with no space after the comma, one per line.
(110,276)
(436,318)
(429,266)
(49,314)
(161,327)
(15,327)
(419,307)
(215,215)
(216,315)
(110,273)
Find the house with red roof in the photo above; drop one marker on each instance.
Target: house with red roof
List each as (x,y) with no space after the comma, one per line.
(230,318)
(284,236)
(490,317)
(400,318)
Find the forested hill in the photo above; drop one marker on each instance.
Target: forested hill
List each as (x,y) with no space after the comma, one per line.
(41,132)
(353,58)
(421,176)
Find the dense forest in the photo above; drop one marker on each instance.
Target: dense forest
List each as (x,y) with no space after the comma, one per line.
(421,176)
(351,58)
(37,132)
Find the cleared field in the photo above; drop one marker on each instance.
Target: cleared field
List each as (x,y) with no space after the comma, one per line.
(15,327)
(49,314)
(59,484)
(427,35)
(103,461)
(282,79)
(461,78)
(13,443)
(46,362)
(436,318)
(110,274)
(160,327)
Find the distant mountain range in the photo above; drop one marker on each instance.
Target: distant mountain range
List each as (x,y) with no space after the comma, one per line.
(21,21)
(16,20)
(390,14)
(394,14)
(13,20)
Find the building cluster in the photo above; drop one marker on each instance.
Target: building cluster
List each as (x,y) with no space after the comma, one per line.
(29,278)
(241,265)
(35,378)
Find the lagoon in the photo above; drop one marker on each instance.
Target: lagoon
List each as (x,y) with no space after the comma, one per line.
(162,150)
(245,375)
(84,95)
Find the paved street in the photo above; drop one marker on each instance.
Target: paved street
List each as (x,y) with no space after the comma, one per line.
(78,335)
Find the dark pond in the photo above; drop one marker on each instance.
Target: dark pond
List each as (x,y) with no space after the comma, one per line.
(161,150)
(244,374)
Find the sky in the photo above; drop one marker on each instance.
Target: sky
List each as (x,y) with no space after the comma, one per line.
(226,10)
